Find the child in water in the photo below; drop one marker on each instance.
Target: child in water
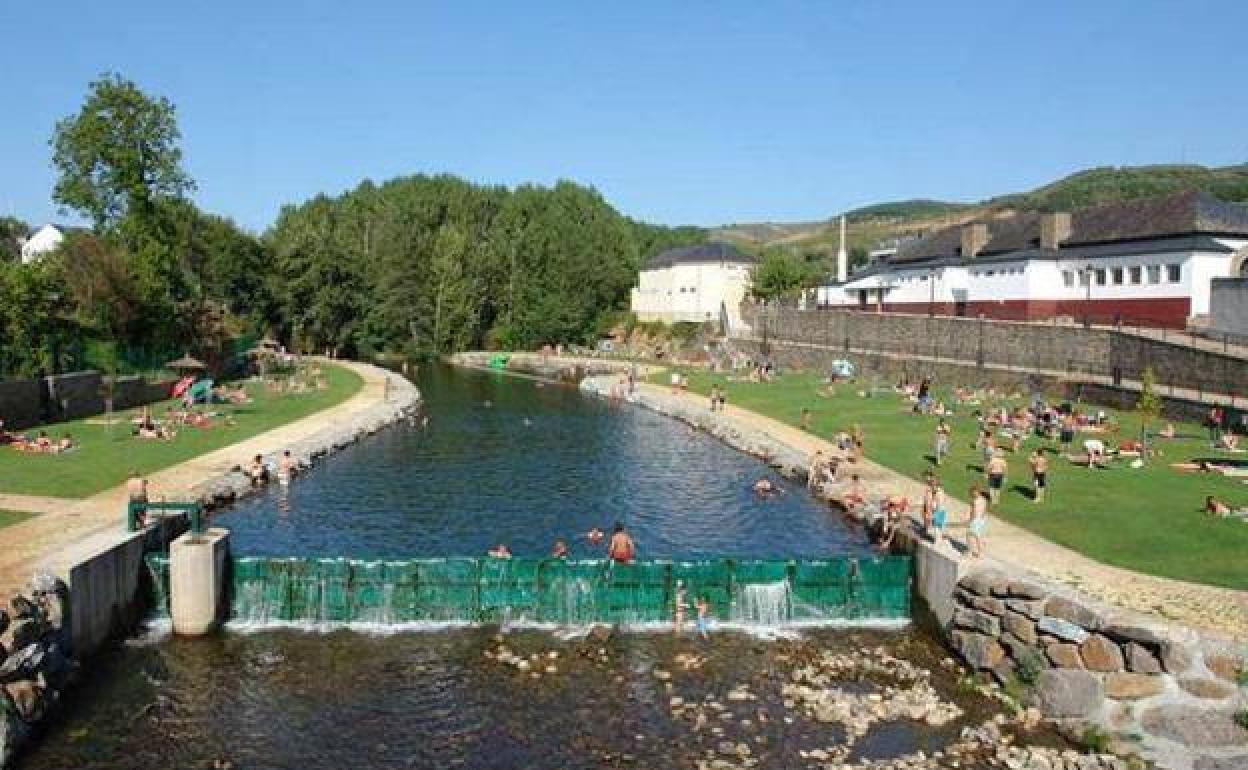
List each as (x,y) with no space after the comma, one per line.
(704,612)
(681,604)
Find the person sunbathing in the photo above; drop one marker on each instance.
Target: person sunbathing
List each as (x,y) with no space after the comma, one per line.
(1167,431)
(65,444)
(1219,508)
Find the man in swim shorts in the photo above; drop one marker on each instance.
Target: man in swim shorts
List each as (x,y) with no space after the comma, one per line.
(621,548)
(1039,475)
(996,470)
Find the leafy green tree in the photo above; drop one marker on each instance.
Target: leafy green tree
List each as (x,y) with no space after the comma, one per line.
(11,232)
(780,273)
(1149,404)
(119,155)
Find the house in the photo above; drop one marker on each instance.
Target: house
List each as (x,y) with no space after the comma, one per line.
(43,241)
(696,283)
(1150,261)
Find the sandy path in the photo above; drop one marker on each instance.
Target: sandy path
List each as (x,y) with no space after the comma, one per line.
(1199,606)
(25,545)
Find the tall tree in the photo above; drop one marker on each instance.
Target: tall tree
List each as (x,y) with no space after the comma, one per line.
(119,155)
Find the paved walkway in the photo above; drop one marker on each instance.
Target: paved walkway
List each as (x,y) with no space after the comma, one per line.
(29,543)
(1220,610)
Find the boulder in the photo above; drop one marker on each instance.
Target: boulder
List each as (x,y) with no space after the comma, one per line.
(4,621)
(1225,666)
(977,621)
(1066,693)
(1032,610)
(1101,654)
(1176,657)
(1125,686)
(987,604)
(1019,626)
(1129,632)
(26,631)
(978,650)
(1141,659)
(983,582)
(1064,655)
(1062,629)
(1025,589)
(1072,611)
(25,697)
(1194,728)
(1211,689)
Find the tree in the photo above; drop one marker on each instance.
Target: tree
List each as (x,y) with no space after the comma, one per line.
(1149,404)
(11,232)
(780,273)
(119,155)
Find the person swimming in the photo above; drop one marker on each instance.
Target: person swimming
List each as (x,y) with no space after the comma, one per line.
(500,551)
(560,550)
(594,536)
(764,487)
(621,549)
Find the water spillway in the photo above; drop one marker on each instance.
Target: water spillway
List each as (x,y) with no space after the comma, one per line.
(320,593)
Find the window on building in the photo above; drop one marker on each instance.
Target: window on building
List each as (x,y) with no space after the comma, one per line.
(1100,276)
(1154,273)
(1137,275)
(991,273)
(1083,277)
(1174,273)
(1068,278)
(1117,275)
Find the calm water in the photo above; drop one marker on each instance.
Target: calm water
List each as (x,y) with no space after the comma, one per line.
(540,462)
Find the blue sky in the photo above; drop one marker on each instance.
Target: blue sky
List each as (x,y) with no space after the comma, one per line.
(679,112)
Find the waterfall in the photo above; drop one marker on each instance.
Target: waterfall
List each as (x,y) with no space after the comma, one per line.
(762,604)
(327,593)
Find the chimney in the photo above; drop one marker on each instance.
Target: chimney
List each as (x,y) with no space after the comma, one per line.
(974,238)
(1054,228)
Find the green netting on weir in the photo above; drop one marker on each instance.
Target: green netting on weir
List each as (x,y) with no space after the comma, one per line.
(757,593)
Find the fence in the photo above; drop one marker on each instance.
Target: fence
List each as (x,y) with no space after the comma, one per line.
(760,593)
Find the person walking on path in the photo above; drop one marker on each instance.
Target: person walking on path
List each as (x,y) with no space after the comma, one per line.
(1039,475)
(979,522)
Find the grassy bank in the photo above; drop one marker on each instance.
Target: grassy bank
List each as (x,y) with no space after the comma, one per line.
(1148,519)
(106,454)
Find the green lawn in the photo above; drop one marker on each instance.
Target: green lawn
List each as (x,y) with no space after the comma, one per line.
(106,456)
(11,517)
(1149,520)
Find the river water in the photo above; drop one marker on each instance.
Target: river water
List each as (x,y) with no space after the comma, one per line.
(536,463)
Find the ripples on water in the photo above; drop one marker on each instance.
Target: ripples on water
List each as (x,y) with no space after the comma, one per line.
(540,462)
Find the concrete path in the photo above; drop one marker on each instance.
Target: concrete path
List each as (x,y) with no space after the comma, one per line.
(1206,607)
(28,544)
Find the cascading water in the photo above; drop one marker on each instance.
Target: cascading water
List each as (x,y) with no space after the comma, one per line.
(762,604)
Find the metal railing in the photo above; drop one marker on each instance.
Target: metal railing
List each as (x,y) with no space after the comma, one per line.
(137,511)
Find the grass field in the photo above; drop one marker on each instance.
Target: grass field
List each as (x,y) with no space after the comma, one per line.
(105,455)
(1149,519)
(12,517)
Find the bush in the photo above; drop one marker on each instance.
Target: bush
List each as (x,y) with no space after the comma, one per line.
(1095,740)
(1241,718)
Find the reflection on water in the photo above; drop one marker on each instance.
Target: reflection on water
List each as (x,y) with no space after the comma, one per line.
(536,464)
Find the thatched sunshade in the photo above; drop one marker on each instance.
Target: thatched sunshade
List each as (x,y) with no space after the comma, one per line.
(186,363)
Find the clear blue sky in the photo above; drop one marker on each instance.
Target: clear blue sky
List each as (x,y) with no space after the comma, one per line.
(679,112)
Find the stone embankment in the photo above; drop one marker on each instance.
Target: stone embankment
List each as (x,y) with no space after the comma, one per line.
(1159,689)
(35,664)
(569,369)
(402,400)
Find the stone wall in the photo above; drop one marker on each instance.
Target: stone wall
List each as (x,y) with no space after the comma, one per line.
(1168,690)
(1228,304)
(1061,349)
(26,403)
(569,369)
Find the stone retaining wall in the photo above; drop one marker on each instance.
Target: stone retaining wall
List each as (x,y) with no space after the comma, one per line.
(569,369)
(35,663)
(1165,691)
(27,403)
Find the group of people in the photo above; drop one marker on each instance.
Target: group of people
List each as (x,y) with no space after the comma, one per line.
(620,547)
(260,473)
(41,443)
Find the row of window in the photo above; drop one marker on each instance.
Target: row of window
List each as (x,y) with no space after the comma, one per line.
(991,273)
(1119,276)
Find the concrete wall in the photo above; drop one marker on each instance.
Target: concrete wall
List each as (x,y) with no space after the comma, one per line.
(1229,307)
(1061,349)
(26,403)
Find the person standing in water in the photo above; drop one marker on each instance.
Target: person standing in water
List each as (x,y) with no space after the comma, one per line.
(136,490)
(704,620)
(286,467)
(621,548)
(680,606)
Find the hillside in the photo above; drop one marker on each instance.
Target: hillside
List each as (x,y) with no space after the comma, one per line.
(870,225)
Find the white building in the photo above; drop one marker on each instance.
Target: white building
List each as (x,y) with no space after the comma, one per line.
(1149,261)
(44,240)
(697,283)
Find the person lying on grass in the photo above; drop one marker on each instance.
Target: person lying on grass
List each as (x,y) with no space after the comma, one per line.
(1219,508)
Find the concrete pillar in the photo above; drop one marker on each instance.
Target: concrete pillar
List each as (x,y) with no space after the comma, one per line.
(197,573)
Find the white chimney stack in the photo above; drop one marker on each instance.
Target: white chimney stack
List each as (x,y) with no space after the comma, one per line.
(842,257)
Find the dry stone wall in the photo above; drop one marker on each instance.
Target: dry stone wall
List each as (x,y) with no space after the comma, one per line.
(1172,688)
(26,403)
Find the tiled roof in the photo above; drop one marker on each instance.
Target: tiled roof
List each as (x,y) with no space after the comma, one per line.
(715,251)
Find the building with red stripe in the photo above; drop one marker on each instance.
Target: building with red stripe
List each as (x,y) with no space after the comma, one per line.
(1149,261)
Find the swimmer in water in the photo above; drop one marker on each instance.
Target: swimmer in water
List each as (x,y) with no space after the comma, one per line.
(594,536)
(764,487)
(500,551)
(560,550)
(285,468)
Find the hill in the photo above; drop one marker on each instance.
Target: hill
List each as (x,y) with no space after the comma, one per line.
(868,226)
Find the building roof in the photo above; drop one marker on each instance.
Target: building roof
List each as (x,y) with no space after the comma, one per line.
(1187,213)
(715,251)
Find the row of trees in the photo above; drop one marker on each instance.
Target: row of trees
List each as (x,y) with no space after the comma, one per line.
(423,263)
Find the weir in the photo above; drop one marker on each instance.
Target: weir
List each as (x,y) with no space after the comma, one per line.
(335,592)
